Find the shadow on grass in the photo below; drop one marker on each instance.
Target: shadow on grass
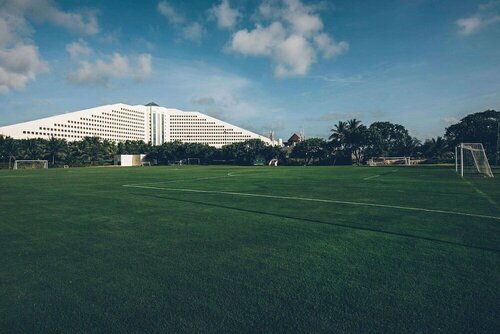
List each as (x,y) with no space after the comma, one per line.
(347,226)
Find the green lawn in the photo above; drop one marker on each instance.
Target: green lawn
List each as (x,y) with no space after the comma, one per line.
(82,253)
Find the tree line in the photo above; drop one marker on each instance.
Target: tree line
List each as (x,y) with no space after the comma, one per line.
(93,151)
(348,142)
(353,142)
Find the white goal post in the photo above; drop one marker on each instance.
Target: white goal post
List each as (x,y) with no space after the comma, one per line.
(31,164)
(384,161)
(193,161)
(470,159)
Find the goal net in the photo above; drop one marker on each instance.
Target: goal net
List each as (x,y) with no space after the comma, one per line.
(193,161)
(384,161)
(31,164)
(470,159)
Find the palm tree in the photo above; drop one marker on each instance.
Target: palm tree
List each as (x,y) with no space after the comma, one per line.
(339,132)
(32,148)
(11,149)
(121,148)
(356,139)
(353,124)
(2,150)
(108,149)
(90,149)
(439,148)
(74,153)
(410,145)
(56,148)
(337,139)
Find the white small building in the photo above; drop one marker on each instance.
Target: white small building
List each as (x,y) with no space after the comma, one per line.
(129,160)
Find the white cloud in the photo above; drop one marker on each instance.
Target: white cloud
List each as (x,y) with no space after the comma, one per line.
(144,67)
(337,116)
(471,25)
(20,61)
(170,13)
(193,32)
(204,101)
(291,34)
(110,37)
(303,19)
(18,65)
(259,41)
(6,34)
(450,120)
(266,10)
(486,15)
(295,56)
(328,47)
(76,49)
(349,80)
(84,21)
(107,67)
(225,16)
(114,66)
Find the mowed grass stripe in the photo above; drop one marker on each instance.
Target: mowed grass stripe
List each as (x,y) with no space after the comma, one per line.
(387,206)
(354,226)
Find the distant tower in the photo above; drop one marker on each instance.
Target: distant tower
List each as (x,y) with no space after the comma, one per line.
(271,135)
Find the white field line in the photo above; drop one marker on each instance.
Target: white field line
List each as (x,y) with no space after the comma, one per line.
(377,175)
(482,193)
(371,177)
(408,208)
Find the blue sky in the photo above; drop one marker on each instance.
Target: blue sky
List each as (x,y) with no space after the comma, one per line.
(280,64)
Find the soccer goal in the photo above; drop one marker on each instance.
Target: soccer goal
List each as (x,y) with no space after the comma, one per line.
(385,161)
(31,164)
(193,161)
(470,159)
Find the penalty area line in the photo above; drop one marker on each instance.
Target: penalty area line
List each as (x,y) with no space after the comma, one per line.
(377,175)
(397,207)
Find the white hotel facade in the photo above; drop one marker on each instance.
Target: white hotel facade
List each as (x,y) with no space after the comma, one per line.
(120,122)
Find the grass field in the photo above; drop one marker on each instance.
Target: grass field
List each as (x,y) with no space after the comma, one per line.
(249,249)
